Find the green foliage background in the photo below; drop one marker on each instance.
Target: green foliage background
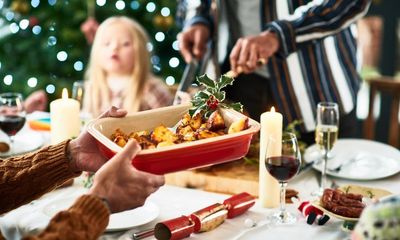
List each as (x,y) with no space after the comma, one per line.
(24,54)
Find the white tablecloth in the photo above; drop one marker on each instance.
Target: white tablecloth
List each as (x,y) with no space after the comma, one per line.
(175,201)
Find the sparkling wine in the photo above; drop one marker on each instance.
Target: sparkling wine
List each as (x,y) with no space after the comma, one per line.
(326,136)
(282,168)
(11,124)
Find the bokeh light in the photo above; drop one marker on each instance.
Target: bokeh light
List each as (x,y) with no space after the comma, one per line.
(62,56)
(174,62)
(170,80)
(32,82)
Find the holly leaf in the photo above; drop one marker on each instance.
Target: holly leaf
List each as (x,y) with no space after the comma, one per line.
(224,81)
(209,99)
(202,95)
(236,106)
(206,81)
(220,96)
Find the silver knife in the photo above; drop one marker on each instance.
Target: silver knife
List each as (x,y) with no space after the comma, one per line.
(143,234)
(187,79)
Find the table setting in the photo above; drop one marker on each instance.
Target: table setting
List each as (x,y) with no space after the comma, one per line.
(354,168)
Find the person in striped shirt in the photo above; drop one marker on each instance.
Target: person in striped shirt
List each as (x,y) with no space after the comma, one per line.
(309,48)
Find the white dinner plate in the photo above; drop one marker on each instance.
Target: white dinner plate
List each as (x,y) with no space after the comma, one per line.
(26,140)
(118,221)
(361,159)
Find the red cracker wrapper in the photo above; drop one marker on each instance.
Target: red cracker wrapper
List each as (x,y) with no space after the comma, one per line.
(173,229)
(205,219)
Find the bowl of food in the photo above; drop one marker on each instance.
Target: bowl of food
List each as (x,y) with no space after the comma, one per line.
(168,145)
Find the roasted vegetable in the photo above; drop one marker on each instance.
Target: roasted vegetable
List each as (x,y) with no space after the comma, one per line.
(215,122)
(163,134)
(238,125)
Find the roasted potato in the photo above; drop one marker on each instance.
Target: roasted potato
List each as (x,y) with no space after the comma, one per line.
(145,141)
(215,122)
(163,134)
(185,119)
(196,121)
(238,125)
(205,133)
(120,141)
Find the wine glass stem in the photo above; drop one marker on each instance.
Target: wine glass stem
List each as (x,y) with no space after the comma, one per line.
(11,143)
(282,202)
(323,175)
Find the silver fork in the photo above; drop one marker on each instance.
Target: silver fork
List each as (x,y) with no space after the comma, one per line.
(344,164)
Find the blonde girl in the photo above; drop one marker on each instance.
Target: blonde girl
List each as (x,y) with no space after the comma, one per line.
(119,70)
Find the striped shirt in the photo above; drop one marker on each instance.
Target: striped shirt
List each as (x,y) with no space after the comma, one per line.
(317,56)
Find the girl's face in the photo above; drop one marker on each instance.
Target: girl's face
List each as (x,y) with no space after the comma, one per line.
(116,50)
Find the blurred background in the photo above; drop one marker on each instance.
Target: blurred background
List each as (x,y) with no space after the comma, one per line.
(43,47)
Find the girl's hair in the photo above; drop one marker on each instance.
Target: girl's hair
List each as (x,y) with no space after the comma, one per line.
(97,94)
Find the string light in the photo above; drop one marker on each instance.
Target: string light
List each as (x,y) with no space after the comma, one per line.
(35,3)
(160,36)
(32,82)
(120,5)
(165,12)
(8,79)
(23,24)
(170,80)
(174,62)
(78,66)
(52,41)
(151,7)
(36,30)
(155,59)
(52,2)
(14,28)
(100,2)
(9,15)
(50,88)
(175,45)
(62,56)
(150,47)
(135,5)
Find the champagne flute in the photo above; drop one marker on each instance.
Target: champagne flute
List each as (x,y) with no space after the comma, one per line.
(326,134)
(283,165)
(12,115)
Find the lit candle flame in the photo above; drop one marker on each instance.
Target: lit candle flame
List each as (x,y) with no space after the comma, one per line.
(272,109)
(64,93)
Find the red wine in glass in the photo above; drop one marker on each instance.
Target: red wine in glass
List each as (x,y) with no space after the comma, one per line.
(282,168)
(11,124)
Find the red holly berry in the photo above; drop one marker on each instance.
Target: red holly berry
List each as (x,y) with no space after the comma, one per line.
(212,103)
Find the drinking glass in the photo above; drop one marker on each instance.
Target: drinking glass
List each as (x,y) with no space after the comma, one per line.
(12,115)
(78,89)
(326,134)
(283,165)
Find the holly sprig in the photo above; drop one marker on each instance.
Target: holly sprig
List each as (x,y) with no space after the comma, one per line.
(212,96)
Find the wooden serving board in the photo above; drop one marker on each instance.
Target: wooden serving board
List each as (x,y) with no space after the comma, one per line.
(231,178)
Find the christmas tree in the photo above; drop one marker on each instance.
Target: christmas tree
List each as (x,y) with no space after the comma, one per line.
(42,46)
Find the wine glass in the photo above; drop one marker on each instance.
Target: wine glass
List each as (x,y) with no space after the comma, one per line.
(12,115)
(326,134)
(283,164)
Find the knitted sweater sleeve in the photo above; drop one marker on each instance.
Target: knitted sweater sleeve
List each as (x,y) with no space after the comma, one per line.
(27,177)
(85,219)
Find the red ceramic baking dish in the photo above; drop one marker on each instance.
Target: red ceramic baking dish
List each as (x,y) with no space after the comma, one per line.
(180,156)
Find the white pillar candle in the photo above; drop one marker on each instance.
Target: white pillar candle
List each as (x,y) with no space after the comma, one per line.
(65,122)
(271,127)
